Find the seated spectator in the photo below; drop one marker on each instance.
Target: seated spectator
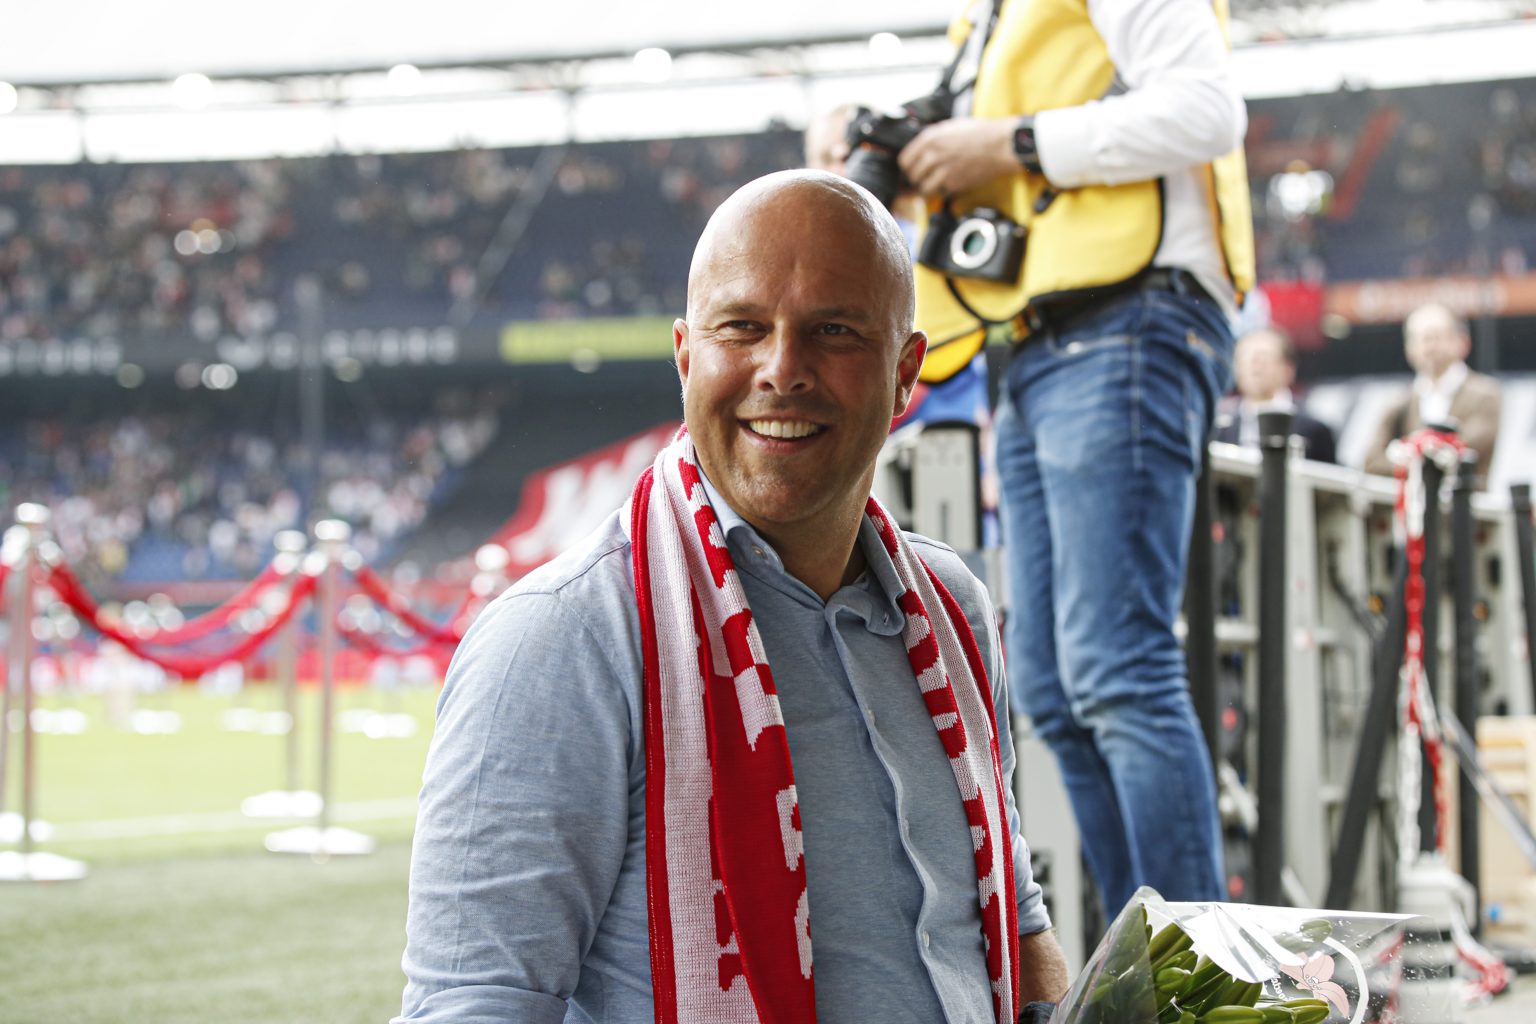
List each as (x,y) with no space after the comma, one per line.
(1265,364)
(1445,392)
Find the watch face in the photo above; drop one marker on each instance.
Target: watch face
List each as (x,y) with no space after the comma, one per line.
(1024,145)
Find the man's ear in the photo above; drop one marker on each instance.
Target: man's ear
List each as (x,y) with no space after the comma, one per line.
(907,367)
(680,349)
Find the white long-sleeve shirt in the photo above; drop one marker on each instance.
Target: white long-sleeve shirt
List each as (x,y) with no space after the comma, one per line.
(1181,110)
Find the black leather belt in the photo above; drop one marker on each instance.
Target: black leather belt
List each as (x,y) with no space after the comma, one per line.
(1055,316)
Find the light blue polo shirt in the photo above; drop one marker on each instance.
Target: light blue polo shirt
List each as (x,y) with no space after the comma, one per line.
(528,874)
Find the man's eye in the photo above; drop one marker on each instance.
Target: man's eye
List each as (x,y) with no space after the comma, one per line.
(836,329)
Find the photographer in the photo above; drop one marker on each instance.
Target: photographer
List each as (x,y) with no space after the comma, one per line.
(1086,189)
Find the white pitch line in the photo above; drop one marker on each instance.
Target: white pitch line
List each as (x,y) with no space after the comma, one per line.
(219,821)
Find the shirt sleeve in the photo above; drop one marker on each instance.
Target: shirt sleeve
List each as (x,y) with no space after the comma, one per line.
(1033,916)
(523,819)
(1181,109)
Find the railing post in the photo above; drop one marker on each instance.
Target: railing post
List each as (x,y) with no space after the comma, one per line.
(332,536)
(1375,729)
(324,839)
(16,552)
(1520,502)
(1200,613)
(21,547)
(1274,638)
(1464,596)
(290,546)
(290,801)
(1434,476)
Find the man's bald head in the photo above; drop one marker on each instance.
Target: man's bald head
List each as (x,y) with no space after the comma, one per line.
(808,207)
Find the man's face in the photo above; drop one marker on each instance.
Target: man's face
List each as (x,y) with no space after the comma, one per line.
(1434,341)
(1260,366)
(826,144)
(796,353)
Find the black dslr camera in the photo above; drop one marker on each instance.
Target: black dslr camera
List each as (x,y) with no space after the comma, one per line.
(874,140)
(983,243)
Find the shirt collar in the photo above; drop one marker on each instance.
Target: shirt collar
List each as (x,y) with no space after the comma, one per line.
(1283,400)
(1446,387)
(873,595)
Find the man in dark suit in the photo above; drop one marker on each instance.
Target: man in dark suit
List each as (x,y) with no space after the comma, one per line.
(1265,365)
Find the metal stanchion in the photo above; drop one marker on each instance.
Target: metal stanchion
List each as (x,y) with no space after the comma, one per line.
(1426,885)
(1434,476)
(1274,638)
(16,557)
(324,839)
(26,864)
(1520,502)
(1200,613)
(1464,596)
(17,553)
(290,801)
(1378,725)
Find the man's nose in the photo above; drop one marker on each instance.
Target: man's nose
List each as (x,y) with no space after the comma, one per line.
(786,365)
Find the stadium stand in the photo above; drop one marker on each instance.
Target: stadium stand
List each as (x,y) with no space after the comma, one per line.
(165,483)
(1425,181)
(208,250)
(158,485)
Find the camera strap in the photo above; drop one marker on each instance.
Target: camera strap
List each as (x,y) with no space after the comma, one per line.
(968,54)
(985,321)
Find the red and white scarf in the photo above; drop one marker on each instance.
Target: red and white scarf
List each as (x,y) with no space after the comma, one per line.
(725,872)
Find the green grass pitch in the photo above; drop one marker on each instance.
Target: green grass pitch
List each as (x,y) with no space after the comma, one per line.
(184,916)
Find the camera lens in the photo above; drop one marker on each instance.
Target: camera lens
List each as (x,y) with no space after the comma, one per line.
(973,244)
(877,171)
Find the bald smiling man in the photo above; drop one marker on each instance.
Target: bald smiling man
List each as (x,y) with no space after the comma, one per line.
(737,756)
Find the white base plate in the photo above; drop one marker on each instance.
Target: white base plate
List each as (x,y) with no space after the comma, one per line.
(282,803)
(330,842)
(39,867)
(10,828)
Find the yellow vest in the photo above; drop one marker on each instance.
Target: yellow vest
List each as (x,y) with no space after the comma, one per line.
(1043,55)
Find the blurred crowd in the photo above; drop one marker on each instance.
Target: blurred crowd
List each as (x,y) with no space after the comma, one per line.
(169,496)
(212,250)
(113,250)
(604,229)
(1400,183)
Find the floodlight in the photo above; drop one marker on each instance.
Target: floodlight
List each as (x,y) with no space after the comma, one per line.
(885,47)
(193,90)
(404,79)
(653,64)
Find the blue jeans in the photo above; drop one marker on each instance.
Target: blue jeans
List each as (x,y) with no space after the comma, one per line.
(1099,430)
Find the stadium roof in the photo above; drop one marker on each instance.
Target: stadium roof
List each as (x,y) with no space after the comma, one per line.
(110,40)
(180,79)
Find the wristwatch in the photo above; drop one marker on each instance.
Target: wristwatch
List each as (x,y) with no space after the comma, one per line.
(1024,149)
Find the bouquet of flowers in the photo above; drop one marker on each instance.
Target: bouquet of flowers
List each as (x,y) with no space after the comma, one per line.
(1226,963)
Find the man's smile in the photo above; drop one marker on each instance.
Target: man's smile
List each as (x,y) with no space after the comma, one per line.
(784,430)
